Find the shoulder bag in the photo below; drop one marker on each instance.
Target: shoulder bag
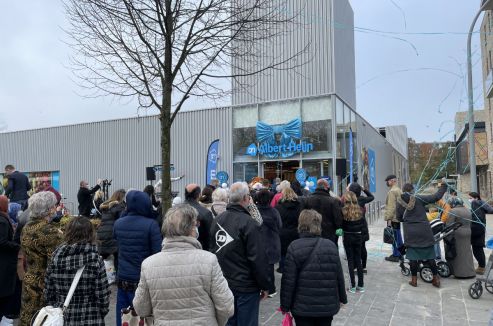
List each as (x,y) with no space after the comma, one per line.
(51,316)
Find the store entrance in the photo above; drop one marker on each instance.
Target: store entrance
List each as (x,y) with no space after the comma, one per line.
(286,170)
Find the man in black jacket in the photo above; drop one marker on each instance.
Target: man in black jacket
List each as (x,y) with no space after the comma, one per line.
(18,186)
(192,194)
(329,207)
(237,243)
(84,197)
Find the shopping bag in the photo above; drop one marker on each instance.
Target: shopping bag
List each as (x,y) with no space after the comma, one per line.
(388,235)
(109,265)
(130,318)
(287,320)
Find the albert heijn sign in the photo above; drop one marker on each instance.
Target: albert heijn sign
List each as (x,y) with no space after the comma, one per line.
(279,141)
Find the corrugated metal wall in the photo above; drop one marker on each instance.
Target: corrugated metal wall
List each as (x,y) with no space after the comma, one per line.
(344,55)
(397,136)
(120,150)
(326,26)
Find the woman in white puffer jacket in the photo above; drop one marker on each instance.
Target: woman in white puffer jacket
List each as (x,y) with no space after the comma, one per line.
(183,284)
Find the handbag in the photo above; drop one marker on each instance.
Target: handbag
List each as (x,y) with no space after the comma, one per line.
(388,235)
(51,316)
(130,317)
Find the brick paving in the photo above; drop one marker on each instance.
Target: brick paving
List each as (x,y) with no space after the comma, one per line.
(389,300)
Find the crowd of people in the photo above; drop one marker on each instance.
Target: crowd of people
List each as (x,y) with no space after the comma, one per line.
(210,259)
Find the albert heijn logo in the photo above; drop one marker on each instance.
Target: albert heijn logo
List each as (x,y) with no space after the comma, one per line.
(279,140)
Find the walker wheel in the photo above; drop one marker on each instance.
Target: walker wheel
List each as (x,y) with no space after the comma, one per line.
(476,290)
(489,287)
(443,269)
(426,274)
(405,271)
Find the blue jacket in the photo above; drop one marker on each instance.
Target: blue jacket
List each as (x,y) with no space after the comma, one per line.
(137,234)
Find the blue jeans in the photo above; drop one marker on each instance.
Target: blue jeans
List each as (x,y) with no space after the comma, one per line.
(123,300)
(397,242)
(246,309)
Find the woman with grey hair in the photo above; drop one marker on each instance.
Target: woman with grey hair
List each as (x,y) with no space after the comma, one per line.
(39,240)
(462,263)
(184,272)
(312,286)
(219,201)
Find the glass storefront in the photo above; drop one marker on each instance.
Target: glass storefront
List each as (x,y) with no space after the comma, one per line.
(276,139)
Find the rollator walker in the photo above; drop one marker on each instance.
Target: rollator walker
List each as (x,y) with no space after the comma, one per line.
(476,289)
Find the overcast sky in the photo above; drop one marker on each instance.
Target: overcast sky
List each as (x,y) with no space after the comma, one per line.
(409,72)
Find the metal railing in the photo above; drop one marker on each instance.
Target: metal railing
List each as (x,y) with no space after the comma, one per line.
(373,211)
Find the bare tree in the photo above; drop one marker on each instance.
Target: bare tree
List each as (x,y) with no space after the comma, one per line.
(165,51)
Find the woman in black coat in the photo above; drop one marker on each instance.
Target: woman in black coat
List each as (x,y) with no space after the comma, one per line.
(418,236)
(270,233)
(479,209)
(110,212)
(362,201)
(289,207)
(312,286)
(9,306)
(353,227)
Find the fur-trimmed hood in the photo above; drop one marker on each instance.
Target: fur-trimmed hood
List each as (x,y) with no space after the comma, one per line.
(407,201)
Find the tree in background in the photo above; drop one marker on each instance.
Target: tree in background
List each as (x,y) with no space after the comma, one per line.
(164,52)
(425,159)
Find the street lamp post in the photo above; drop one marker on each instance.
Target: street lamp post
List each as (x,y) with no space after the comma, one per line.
(486,5)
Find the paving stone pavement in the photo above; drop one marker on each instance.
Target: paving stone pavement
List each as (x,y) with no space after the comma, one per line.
(389,300)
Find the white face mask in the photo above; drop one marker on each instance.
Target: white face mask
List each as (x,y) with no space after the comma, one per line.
(471,200)
(196,232)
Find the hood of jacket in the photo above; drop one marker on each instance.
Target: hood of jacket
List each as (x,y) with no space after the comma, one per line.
(407,201)
(72,257)
(138,203)
(108,205)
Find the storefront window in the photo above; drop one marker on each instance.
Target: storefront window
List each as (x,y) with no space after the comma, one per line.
(242,138)
(313,168)
(278,113)
(245,171)
(317,124)
(245,117)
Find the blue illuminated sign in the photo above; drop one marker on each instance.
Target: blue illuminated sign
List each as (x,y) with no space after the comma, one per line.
(280,140)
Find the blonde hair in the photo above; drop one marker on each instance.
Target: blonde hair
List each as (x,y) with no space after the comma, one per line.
(310,221)
(288,194)
(284,185)
(351,210)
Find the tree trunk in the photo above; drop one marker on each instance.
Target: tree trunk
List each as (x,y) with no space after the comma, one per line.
(165,118)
